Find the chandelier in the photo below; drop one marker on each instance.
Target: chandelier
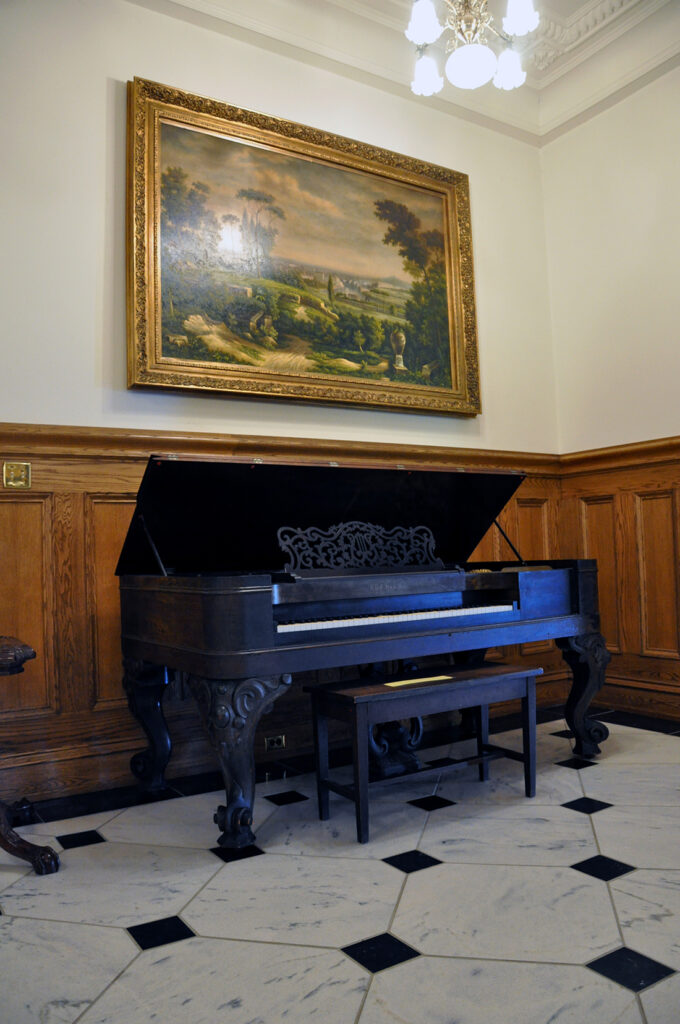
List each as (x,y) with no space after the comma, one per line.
(470,61)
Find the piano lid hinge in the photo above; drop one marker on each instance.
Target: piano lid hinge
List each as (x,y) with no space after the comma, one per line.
(258,461)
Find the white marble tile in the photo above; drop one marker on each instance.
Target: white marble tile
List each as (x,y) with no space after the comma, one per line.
(549,748)
(112,883)
(67,826)
(440,991)
(645,837)
(408,787)
(648,907)
(305,784)
(628,784)
(519,833)
(661,1002)
(297,829)
(541,914)
(57,969)
(320,901)
(11,870)
(205,981)
(626,745)
(554,784)
(187,821)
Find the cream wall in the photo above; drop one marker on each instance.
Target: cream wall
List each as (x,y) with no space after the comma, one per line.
(611,191)
(63,68)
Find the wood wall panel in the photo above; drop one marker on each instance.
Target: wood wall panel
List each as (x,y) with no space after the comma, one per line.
(65,726)
(107,518)
(656,518)
(599,541)
(25,606)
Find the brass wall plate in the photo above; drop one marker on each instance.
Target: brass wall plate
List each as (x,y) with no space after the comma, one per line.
(16,475)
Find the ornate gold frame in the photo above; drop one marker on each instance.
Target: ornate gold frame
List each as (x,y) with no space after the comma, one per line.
(149,104)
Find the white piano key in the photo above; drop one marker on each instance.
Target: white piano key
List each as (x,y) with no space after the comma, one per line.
(377,620)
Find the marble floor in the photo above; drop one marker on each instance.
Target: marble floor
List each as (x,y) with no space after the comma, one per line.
(470,904)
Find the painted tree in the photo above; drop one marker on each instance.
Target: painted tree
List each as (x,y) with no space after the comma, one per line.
(426,309)
(189,229)
(258,231)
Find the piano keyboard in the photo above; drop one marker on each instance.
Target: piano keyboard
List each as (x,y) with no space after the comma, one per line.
(379,620)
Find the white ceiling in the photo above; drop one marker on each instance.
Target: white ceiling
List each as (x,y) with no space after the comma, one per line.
(581,58)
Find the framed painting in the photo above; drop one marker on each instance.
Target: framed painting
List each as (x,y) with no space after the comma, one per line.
(269,259)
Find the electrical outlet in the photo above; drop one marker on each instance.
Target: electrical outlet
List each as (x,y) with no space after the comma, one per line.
(274,742)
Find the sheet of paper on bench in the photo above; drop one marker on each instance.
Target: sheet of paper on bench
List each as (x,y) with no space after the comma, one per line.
(422,679)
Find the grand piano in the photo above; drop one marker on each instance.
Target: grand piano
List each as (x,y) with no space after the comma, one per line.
(240,574)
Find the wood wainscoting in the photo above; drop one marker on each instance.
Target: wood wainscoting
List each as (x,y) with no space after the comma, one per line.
(64,723)
(621,506)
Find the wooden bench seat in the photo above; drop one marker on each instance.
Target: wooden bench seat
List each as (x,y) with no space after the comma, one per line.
(366,704)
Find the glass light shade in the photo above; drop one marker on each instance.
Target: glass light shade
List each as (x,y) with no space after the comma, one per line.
(471,65)
(426,78)
(521,18)
(424,27)
(509,74)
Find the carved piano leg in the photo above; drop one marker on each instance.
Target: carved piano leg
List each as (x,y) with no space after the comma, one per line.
(587,657)
(43,858)
(145,684)
(231,710)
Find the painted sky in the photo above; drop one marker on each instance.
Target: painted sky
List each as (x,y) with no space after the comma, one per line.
(330,220)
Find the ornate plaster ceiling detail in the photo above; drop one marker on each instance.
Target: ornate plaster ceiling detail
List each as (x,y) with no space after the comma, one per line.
(595,23)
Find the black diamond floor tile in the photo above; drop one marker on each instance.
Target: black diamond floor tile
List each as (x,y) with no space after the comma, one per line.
(431,803)
(288,796)
(441,762)
(604,868)
(75,839)
(412,860)
(160,933)
(565,734)
(631,969)
(230,855)
(576,762)
(586,805)
(379,952)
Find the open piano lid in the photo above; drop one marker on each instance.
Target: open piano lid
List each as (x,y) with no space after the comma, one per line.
(222,517)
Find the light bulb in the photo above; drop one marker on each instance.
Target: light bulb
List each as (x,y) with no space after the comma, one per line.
(424,27)
(426,78)
(509,74)
(521,18)
(471,65)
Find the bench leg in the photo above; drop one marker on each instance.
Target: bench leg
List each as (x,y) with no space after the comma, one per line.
(482,726)
(361,771)
(321,757)
(529,737)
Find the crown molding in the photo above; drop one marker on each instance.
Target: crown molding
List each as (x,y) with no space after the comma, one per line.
(575,64)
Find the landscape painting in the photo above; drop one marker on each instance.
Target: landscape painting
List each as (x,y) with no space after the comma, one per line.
(278,265)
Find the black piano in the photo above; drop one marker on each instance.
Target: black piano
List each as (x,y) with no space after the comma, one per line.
(240,574)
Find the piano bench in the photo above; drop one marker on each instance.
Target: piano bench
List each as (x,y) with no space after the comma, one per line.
(365,704)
